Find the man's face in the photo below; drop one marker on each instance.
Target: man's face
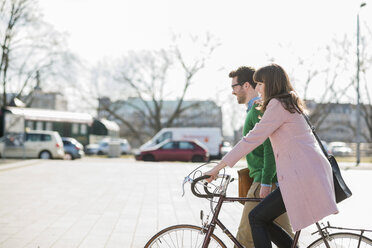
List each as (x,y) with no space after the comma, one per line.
(238,91)
(260,88)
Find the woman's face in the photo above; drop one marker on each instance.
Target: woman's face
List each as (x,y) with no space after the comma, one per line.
(260,88)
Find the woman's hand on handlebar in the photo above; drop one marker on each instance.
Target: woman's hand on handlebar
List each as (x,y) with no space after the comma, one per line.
(213,172)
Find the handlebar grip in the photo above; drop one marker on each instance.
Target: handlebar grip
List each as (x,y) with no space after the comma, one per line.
(195,181)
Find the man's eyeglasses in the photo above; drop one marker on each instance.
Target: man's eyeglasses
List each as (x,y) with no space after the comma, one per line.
(234,85)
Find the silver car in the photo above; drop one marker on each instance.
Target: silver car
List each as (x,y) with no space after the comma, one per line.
(73,148)
(32,144)
(102,148)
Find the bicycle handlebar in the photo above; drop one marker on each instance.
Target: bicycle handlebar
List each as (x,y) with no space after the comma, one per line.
(222,188)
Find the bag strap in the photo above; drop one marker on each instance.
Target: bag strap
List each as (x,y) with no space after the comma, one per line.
(316,136)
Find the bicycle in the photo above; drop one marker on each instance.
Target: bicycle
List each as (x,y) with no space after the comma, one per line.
(191,236)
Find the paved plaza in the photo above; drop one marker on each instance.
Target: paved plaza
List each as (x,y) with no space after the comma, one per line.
(98,202)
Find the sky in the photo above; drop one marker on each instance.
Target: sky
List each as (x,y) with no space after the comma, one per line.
(250,33)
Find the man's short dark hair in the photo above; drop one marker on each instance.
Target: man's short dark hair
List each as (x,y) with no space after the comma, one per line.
(244,74)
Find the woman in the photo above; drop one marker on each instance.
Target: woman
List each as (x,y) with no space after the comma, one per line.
(305,190)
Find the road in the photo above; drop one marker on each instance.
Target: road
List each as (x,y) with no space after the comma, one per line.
(97,202)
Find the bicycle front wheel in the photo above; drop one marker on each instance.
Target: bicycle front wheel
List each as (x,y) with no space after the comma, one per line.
(182,236)
(344,240)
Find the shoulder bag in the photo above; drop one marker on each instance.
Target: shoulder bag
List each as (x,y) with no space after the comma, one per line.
(244,183)
(342,191)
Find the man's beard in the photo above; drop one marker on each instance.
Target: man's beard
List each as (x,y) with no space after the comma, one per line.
(241,99)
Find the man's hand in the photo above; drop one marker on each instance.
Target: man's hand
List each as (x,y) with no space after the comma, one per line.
(265,191)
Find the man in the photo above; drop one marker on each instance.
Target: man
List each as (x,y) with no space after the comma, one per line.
(261,161)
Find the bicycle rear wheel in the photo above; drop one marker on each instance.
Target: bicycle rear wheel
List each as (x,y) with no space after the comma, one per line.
(182,236)
(344,240)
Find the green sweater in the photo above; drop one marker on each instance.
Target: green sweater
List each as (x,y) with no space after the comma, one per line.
(261,161)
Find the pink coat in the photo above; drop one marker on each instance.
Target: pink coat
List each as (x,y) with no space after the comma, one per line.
(304,174)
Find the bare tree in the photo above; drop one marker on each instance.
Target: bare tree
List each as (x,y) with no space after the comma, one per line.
(329,91)
(29,46)
(149,77)
(338,79)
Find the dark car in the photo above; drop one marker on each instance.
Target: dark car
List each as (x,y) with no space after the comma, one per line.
(73,148)
(175,150)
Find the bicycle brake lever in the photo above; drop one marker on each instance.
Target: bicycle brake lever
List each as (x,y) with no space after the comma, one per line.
(187,179)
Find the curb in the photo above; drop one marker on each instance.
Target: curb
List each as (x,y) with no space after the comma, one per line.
(19,164)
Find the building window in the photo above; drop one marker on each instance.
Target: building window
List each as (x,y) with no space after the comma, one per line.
(39,125)
(30,125)
(83,129)
(48,126)
(75,128)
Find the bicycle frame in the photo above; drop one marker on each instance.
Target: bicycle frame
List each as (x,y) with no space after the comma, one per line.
(222,198)
(215,221)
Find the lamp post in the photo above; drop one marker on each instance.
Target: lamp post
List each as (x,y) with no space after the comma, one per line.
(358,93)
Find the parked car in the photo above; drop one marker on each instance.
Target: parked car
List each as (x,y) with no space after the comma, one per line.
(210,137)
(33,144)
(91,149)
(73,148)
(125,147)
(175,150)
(340,149)
(103,146)
(225,148)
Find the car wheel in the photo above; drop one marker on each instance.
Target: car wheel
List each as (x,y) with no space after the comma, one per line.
(45,155)
(68,156)
(148,157)
(100,153)
(197,158)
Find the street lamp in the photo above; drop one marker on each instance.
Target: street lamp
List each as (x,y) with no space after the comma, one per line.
(358,93)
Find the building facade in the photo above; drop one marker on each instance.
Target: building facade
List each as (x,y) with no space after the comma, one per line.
(338,121)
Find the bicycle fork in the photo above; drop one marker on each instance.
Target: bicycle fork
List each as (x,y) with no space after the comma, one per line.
(212,225)
(215,221)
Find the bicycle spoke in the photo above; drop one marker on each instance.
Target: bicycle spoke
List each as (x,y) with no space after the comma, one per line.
(185,236)
(196,242)
(170,237)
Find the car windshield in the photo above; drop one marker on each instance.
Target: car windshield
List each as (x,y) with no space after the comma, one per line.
(157,145)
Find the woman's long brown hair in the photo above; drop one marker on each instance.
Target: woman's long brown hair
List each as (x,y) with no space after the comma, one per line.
(277,85)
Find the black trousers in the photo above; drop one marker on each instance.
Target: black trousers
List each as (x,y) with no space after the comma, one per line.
(262,217)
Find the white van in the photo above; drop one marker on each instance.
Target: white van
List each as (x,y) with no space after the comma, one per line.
(32,144)
(211,137)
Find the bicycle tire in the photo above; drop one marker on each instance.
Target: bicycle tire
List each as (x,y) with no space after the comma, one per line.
(343,239)
(182,236)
